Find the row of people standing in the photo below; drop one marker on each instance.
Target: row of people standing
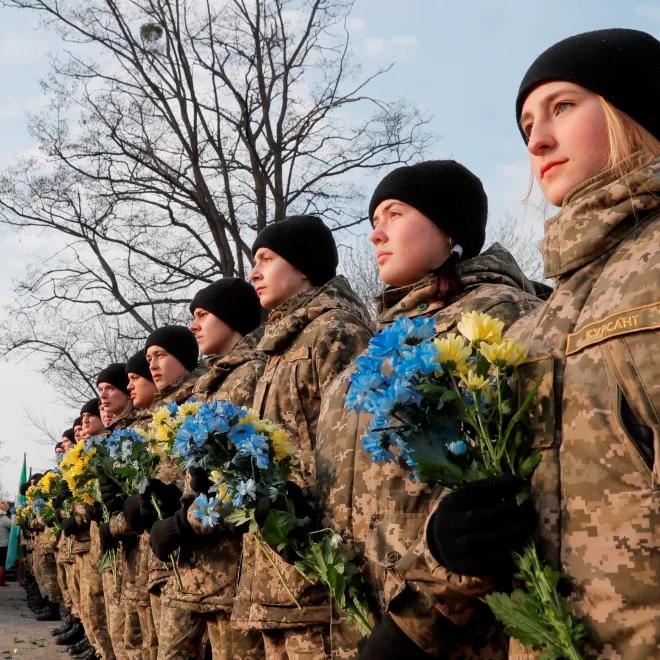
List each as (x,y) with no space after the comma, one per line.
(593,145)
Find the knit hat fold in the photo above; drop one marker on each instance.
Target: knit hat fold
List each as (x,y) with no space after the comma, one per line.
(115,375)
(178,341)
(137,364)
(92,407)
(233,301)
(305,242)
(447,193)
(621,65)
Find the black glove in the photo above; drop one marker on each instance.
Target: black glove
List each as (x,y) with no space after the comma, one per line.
(199,480)
(111,494)
(135,520)
(69,526)
(168,497)
(65,492)
(476,527)
(96,512)
(108,541)
(168,534)
(387,640)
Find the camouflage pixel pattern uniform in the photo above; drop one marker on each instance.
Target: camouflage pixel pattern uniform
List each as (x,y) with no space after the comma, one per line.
(208,566)
(92,603)
(308,340)
(381,511)
(595,345)
(44,566)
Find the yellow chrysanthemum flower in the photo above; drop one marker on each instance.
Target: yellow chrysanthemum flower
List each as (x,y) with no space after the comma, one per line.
(282,447)
(474,381)
(506,353)
(160,417)
(216,477)
(251,417)
(478,326)
(47,482)
(453,352)
(31,493)
(187,409)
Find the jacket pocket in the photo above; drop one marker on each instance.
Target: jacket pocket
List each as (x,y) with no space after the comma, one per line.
(543,413)
(391,536)
(268,588)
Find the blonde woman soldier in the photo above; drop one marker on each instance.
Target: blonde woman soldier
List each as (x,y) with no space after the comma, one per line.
(587,109)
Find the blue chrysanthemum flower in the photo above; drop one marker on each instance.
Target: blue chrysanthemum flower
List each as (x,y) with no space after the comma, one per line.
(206,510)
(457,447)
(244,490)
(173,408)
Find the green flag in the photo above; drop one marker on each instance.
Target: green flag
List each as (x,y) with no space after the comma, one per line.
(12,547)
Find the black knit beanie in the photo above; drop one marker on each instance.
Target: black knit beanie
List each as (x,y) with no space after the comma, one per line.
(447,193)
(115,375)
(69,435)
(137,364)
(305,242)
(621,65)
(178,341)
(91,407)
(77,422)
(233,301)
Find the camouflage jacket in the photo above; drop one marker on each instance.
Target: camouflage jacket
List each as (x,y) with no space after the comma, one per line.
(209,567)
(595,345)
(141,570)
(381,511)
(307,341)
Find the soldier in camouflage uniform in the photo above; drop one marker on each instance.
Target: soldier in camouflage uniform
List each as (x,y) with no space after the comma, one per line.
(316,326)
(140,638)
(420,213)
(123,622)
(226,317)
(595,342)
(92,603)
(172,356)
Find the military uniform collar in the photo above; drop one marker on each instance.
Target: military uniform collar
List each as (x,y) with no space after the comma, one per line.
(599,213)
(288,320)
(416,299)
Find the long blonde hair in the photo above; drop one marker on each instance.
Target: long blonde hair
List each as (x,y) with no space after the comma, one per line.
(626,136)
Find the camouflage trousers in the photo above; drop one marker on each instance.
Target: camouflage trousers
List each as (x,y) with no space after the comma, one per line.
(73,585)
(309,643)
(148,632)
(123,621)
(61,581)
(92,607)
(45,573)
(182,634)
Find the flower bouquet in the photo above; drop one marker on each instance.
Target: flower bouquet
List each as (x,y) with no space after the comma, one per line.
(124,458)
(251,464)
(41,498)
(447,410)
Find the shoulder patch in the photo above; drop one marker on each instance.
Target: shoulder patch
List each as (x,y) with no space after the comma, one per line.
(303,353)
(623,322)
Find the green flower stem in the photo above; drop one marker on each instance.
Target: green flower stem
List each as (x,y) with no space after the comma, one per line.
(266,550)
(173,562)
(549,599)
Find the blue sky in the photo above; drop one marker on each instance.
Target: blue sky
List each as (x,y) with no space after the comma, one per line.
(460,62)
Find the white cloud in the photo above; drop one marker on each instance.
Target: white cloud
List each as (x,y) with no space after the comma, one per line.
(395,46)
(652,12)
(356,24)
(19,49)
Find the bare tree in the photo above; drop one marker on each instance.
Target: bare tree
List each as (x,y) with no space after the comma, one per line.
(175,131)
(521,239)
(38,421)
(359,266)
